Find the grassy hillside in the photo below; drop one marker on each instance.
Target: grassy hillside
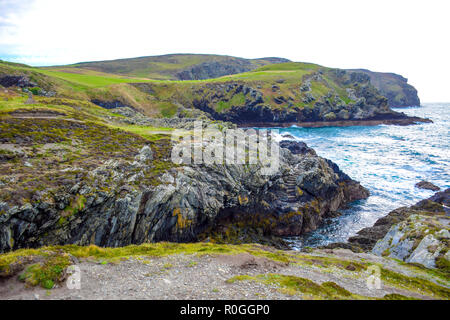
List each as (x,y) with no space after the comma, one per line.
(289,92)
(160,95)
(165,67)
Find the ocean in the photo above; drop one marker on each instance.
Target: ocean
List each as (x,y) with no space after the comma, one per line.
(388,160)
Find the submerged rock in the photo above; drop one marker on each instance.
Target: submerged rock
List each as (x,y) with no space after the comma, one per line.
(427,185)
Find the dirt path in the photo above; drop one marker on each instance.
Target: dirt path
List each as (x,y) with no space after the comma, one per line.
(189,277)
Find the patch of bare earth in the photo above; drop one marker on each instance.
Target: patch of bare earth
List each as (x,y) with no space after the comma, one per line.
(189,277)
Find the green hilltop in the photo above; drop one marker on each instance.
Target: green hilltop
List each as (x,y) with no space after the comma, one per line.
(220,87)
(152,97)
(174,66)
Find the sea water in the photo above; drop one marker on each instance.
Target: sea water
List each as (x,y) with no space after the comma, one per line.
(388,160)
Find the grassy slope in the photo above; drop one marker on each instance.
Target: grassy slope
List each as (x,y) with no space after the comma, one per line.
(85,84)
(288,77)
(162,67)
(45,267)
(81,135)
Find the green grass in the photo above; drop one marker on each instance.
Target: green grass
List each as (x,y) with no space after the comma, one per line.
(307,289)
(159,249)
(163,67)
(293,285)
(87,80)
(46,273)
(58,255)
(289,66)
(159,94)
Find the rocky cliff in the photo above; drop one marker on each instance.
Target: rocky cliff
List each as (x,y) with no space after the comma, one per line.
(275,94)
(216,69)
(415,234)
(67,181)
(329,96)
(394,87)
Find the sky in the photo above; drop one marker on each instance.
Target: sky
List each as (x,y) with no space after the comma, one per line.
(406,37)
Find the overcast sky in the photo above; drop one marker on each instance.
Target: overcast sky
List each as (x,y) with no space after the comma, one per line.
(407,37)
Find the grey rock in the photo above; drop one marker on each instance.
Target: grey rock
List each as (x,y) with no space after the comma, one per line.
(190,201)
(145,154)
(427,185)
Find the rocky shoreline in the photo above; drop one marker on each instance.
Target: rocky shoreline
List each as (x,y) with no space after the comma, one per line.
(415,234)
(344,123)
(182,203)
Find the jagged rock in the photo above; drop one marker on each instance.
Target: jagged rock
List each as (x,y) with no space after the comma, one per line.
(308,98)
(18,81)
(279,100)
(418,239)
(367,105)
(435,206)
(351,94)
(394,87)
(137,118)
(215,69)
(145,154)
(296,147)
(189,202)
(109,104)
(427,185)
(330,116)
(306,86)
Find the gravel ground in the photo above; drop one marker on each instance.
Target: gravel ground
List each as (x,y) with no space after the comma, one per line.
(193,277)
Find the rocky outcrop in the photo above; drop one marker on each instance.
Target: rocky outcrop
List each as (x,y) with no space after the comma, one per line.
(185,203)
(418,239)
(16,81)
(110,104)
(394,87)
(416,234)
(427,185)
(423,236)
(134,117)
(214,69)
(223,67)
(246,105)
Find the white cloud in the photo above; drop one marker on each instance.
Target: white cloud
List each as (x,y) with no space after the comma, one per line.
(406,37)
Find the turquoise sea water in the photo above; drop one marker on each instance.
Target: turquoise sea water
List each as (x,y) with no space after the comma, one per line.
(388,160)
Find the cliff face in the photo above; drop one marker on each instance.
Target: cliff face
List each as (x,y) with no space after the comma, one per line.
(279,97)
(367,103)
(415,234)
(274,94)
(394,87)
(115,196)
(216,69)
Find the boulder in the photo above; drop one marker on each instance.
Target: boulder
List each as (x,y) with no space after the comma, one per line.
(145,154)
(16,81)
(427,185)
